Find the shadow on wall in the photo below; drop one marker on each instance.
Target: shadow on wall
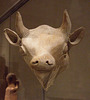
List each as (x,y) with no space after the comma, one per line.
(53,98)
(3,74)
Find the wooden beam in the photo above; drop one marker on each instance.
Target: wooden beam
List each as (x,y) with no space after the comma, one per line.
(12,9)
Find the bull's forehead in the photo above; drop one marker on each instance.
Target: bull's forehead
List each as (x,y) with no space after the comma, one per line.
(43,39)
(44,29)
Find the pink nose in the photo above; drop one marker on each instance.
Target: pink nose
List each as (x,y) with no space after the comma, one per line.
(44,62)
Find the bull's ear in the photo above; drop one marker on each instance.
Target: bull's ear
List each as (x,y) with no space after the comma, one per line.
(12,37)
(76,36)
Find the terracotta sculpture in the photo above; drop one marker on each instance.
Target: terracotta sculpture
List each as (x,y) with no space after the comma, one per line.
(13,85)
(45,49)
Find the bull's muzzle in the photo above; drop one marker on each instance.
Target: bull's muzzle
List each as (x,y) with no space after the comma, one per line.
(44,62)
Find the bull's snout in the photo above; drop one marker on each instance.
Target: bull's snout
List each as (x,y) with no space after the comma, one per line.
(44,62)
(37,62)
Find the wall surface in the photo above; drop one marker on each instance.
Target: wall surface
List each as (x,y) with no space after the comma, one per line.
(72,84)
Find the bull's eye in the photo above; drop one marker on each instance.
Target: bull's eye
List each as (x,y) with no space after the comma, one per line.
(65,56)
(22,50)
(20,43)
(65,49)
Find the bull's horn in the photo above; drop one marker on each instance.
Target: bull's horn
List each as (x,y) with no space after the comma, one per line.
(21,29)
(66,23)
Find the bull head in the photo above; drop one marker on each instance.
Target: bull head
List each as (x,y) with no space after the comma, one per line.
(45,49)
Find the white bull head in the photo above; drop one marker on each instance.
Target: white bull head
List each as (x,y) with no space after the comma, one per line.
(45,49)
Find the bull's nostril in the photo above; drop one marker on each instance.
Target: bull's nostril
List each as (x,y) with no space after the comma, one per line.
(49,63)
(35,62)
